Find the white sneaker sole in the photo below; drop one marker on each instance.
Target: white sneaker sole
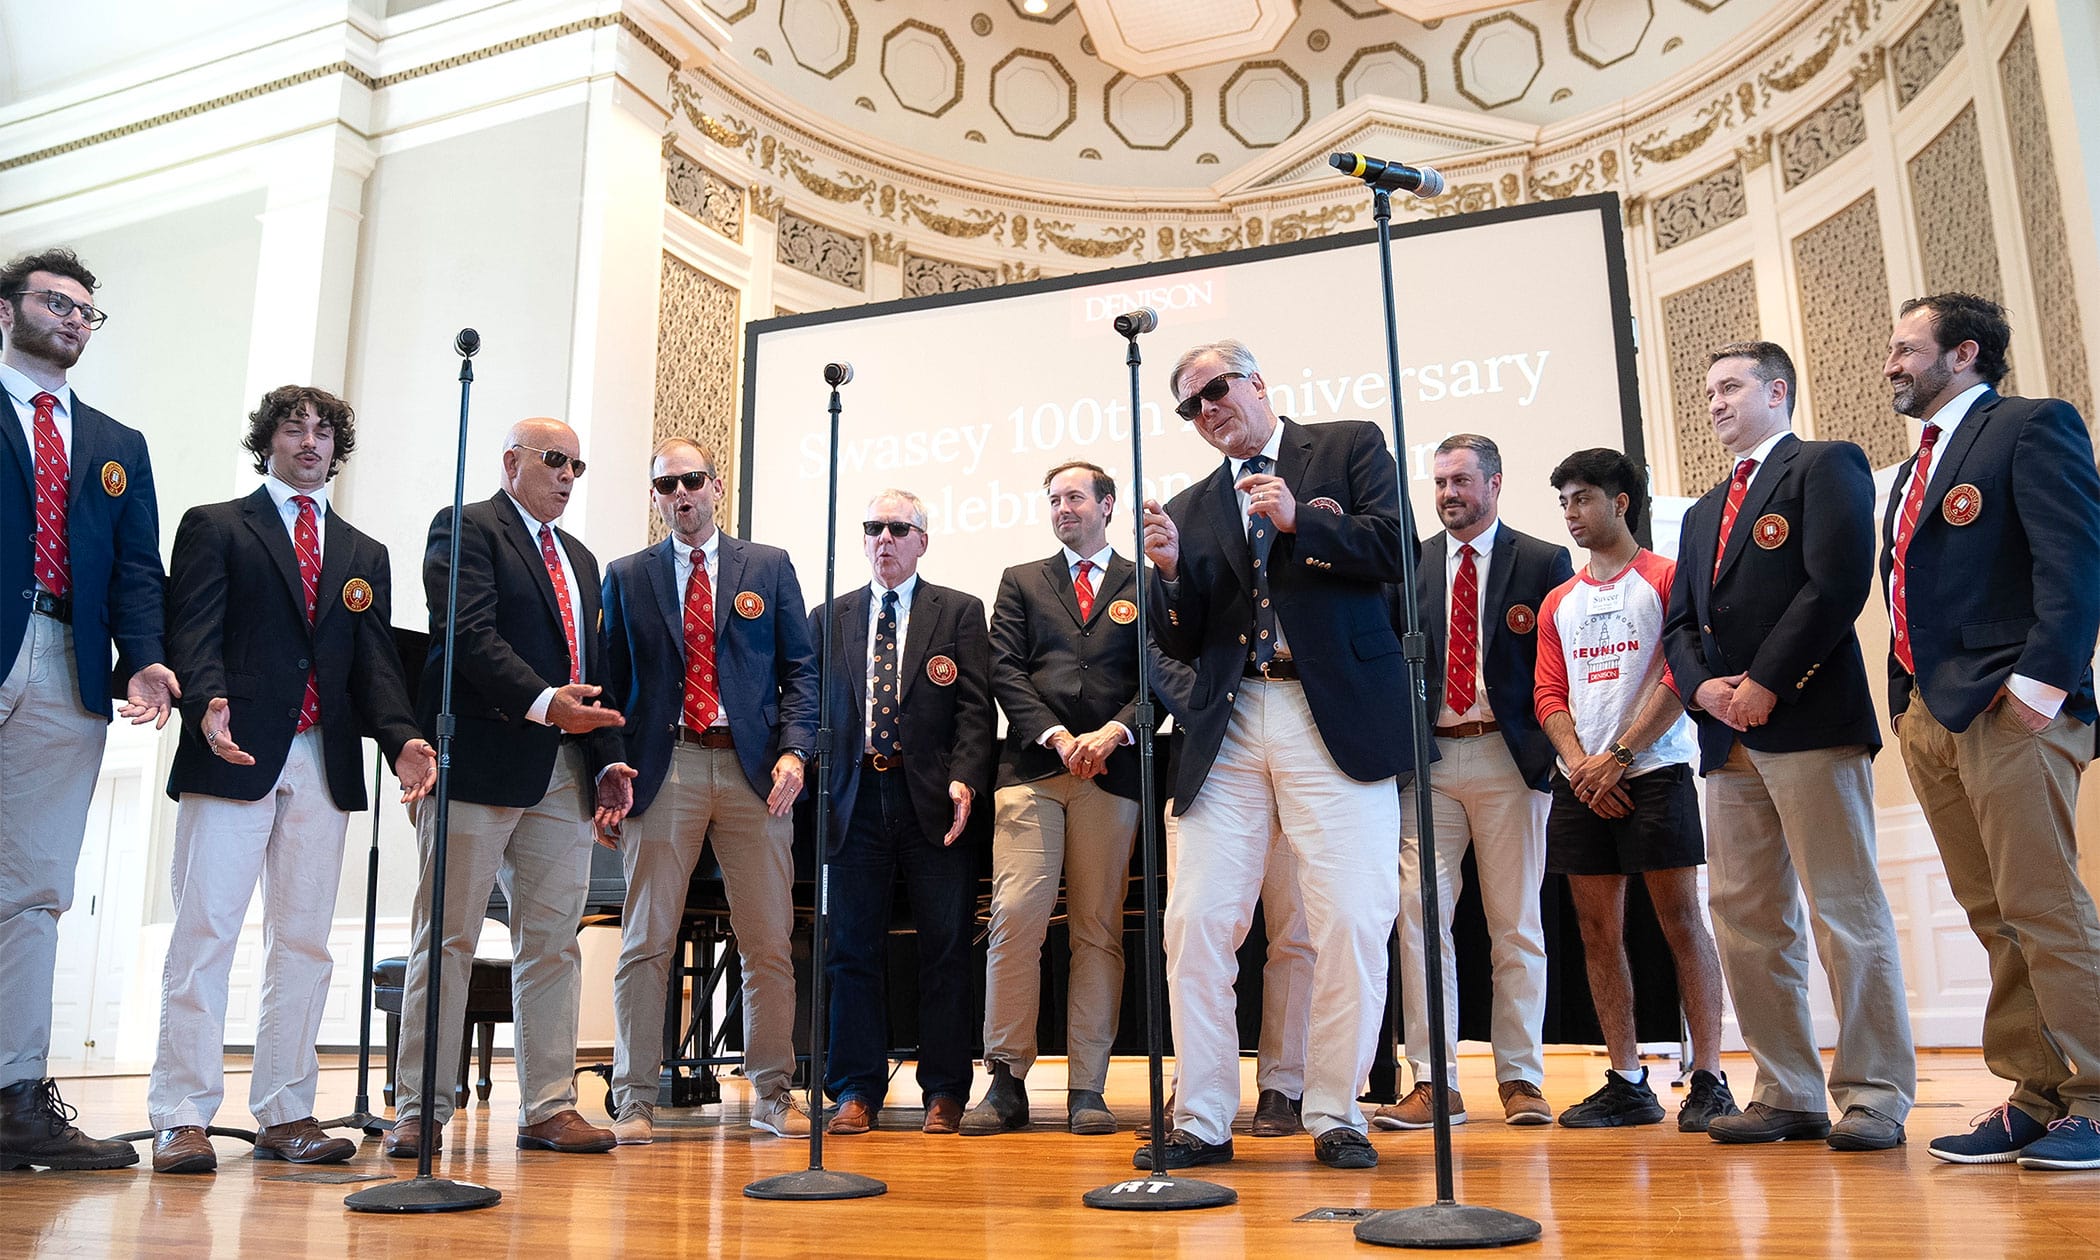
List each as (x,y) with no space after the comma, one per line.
(1394,1122)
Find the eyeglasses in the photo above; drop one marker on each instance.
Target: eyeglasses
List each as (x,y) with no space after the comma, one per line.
(669,482)
(557,460)
(1213,390)
(61,305)
(898,529)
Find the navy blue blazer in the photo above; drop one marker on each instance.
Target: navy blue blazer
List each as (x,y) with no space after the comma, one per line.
(1329,583)
(946,700)
(113,543)
(765,666)
(1785,609)
(2014,591)
(237,628)
(1520,573)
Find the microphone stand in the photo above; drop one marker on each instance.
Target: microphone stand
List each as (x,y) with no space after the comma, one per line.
(361,1116)
(423,1192)
(817,1182)
(1447,1222)
(1158,1191)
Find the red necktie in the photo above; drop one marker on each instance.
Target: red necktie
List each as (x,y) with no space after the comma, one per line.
(1906,525)
(1737,487)
(1464,654)
(53,566)
(306,540)
(561,598)
(1084,590)
(702,701)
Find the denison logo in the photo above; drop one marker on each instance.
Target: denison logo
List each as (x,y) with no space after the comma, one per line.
(1099,308)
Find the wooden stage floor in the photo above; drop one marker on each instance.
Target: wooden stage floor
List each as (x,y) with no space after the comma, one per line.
(1616,1193)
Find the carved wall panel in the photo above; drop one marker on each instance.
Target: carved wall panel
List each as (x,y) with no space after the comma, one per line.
(706,196)
(822,251)
(2055,315)
(1920,53)
(696,361)
(1695,321)
(1954,216)
(1699,207)
(924,276)
(1845,323)
(1821,138)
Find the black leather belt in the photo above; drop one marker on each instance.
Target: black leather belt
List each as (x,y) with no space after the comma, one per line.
(56,607)
(882,763)
(1281,669)
(1467,730)
(712,737)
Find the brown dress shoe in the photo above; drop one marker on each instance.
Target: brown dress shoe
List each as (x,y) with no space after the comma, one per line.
(854,1116)
(405,1140)
(302,1142)
(36,1130)
(185,1148)
(943,1115)
(567,1132)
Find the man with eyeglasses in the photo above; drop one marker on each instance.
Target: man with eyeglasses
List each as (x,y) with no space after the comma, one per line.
(709,656)
(911,711)
(80,573)
(530,743)
(1274,581)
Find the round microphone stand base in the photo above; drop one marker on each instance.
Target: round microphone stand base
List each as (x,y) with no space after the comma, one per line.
(814,1184)
(423,1194)
(1160,1193)
(1447,1226)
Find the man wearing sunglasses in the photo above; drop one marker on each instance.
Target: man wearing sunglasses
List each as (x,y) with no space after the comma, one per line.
(79,573)
(911,709)
(531,741)
(709,655)
(1274,575)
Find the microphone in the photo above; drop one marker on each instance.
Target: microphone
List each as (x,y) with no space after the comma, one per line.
(837,374)
(1142,320)
(467,343)
(1422,181)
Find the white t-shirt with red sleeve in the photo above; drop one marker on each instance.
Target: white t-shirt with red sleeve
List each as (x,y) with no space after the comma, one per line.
(1600,656)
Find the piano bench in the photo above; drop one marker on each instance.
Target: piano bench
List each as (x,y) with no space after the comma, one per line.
(488,1004)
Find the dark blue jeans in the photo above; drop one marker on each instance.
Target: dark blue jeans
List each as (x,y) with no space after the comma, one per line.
(883,841)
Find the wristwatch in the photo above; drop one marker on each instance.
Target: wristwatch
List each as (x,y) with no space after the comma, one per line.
(1621,753)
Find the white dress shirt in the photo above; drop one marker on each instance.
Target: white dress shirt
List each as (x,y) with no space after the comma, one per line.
(282,493)
(20,390)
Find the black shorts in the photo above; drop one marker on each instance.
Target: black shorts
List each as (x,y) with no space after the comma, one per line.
(1662,832)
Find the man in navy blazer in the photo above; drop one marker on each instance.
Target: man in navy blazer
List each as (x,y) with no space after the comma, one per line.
(1990,548)
(79,572)
(911,711)
(1772,571)
(1490,788)
(708,656)
(1273,575)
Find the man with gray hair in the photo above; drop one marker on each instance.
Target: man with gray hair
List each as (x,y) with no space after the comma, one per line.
(911,716)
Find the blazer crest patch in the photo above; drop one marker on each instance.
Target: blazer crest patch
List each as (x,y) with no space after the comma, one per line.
(1521,619)
(113,479)
(941,671)
(1770,531)
(1326,504)
(357,595)
(1963,504)
(749,604)
(1122,612)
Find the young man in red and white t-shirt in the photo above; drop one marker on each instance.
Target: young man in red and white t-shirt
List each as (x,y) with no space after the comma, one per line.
(1623,802)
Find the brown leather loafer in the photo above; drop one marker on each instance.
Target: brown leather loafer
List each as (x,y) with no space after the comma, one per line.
(854,1116)
(943,1115)
(567,1132)
(405,1140)
(183,1149)
(302,1142)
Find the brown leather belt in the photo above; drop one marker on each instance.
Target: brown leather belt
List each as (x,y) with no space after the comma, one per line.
(712,737)
(882,763)
(1281,669)
(1467,730)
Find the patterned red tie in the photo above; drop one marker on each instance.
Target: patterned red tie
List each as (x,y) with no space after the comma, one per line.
(1083,590)
(1464,655)
(306,540)
(1737,487)
(702,702)
(1906,525)
(53,567)
(561,599)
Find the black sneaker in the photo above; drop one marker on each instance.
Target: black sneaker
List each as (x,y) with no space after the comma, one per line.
(1345,1148)
(1621,1102)
(1709,1099)
(1185,1150)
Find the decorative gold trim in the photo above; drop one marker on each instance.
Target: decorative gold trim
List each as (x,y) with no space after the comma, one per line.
(1458,75)
(954,55)
(730,135)
(1300,224)
(1635,210)
(1872,68)
(766,202)
(1646,150)
(847,187)
(1121,240)
(1200,242)
(1281,67)
(1568,20)
(887,248)
(974,222)
(1755,151)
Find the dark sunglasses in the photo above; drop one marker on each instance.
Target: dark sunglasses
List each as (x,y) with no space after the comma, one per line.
(898,529)
(669,482)
(1213,390)
(554,459)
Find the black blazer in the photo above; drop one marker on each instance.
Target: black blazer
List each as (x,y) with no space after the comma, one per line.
(766,670)
(946,726)
(511,648)
(1328,581)
(237,628)
(113,541)
(1049,668)
(1519,574)
(2015,590)
(1799,566)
